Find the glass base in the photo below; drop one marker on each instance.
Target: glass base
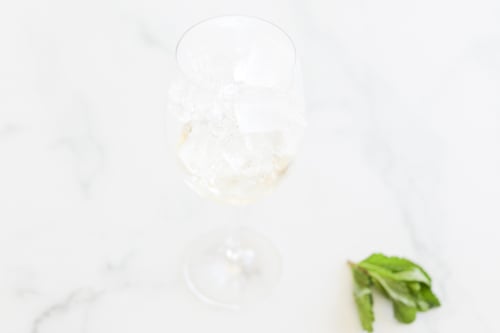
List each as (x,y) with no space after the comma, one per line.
(232,267)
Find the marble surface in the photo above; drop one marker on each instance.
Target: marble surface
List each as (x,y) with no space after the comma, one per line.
(402,155)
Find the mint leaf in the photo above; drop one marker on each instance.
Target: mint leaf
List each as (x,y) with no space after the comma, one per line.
(400,280)
(403,313)
(426,299)
(396,290)
(363,298)
(395,264)
(396,268)
(414,287)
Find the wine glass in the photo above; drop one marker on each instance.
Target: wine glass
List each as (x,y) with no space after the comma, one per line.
(236,116)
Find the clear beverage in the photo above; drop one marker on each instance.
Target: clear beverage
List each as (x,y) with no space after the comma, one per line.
(236,119)
(237,141)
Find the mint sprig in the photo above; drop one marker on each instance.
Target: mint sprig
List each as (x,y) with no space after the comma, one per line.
(402,281)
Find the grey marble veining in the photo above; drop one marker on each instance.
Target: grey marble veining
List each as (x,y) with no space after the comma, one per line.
(401,156)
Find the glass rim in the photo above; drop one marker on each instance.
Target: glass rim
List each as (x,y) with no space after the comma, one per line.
(251,17)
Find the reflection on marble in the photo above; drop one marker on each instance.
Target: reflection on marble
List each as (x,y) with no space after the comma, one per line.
(401,156)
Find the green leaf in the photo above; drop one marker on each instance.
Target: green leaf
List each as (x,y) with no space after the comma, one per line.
(426,299)
(394,264)
(414,287)
(402,281)
(398,291)
(403,313)
(363,298)
(380,289)
(396,268)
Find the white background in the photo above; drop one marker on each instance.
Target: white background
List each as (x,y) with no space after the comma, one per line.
(401,155)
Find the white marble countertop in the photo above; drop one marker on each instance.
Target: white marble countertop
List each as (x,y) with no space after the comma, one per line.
(402,155)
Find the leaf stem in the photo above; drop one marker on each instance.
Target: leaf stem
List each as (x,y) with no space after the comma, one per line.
(351,264)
